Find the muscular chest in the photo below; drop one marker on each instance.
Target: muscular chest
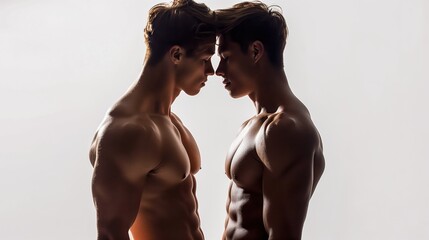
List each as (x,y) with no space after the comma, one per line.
(243,165)
(180,157)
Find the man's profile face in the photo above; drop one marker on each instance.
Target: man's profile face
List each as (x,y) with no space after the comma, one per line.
(235,67)
(194,70)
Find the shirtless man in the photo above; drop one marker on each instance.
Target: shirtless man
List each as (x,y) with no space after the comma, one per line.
(276,160)
(144,158)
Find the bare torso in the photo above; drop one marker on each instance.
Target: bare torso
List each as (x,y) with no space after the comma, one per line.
(245,205)
(168,206)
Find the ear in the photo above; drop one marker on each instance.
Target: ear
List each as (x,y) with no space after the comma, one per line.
(176,54)
(256,49)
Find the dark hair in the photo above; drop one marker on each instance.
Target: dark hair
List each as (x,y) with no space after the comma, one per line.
(254,21)
(184,23)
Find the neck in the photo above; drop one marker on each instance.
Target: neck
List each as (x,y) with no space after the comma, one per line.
(154,92)
(272,92)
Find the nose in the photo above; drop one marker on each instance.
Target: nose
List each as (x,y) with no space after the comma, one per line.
(209,69)
(220,71)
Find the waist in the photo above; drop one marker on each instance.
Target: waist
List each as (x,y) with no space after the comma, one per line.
(166,224)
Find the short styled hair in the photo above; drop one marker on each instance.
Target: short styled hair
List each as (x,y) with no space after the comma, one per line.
(183,22)
(247,22)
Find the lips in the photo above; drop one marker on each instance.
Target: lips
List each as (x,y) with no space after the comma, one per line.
(226,82)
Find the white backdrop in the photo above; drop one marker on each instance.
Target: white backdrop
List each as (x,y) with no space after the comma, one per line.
(361,67)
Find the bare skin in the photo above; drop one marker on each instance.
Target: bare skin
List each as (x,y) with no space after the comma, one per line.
(145,159)
(276,160)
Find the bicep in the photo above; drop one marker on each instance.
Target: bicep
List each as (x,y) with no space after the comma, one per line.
(125,155)
(286,198)
(116,199)
(287,179)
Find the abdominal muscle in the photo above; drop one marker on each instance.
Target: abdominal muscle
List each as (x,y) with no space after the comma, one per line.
(171,214)
(244,215)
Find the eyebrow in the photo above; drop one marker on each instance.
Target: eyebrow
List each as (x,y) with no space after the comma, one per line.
(209,51)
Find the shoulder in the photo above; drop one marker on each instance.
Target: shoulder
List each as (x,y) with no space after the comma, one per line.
(286,129)
(175,117)
(128,137)
(285,139)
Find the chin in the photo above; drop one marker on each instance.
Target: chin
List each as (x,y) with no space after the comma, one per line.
(236,95)
(193,92)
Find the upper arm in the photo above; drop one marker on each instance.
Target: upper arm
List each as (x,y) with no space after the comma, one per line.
(124,157)
(286,151)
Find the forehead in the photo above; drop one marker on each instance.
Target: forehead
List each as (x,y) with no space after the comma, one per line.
(226,45)
(223,44)
(206,48)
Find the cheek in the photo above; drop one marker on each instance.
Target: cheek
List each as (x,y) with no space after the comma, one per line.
(192,72)
(196,72)
(239,71)
(186,69)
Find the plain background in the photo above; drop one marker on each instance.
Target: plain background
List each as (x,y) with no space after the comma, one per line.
(361,67)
